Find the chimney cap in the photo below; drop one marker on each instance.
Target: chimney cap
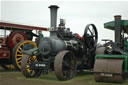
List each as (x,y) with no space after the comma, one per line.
(117,16)
(53,6)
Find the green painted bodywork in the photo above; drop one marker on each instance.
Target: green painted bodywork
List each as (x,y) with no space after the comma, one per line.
(126,46)
(111,25)
(124,56)
(30,51)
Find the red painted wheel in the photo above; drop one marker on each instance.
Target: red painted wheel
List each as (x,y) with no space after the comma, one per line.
(15,37)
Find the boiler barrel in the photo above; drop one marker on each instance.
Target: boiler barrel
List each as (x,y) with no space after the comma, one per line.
(49,46)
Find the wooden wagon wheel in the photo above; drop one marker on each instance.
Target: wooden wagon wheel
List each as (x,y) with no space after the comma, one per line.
(17,54)
(15,37)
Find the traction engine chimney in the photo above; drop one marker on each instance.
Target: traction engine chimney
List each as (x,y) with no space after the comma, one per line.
(117,28)
(53,10)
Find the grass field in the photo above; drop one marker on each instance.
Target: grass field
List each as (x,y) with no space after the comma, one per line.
(16,78)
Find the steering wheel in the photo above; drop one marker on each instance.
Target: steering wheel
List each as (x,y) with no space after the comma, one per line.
(90,36)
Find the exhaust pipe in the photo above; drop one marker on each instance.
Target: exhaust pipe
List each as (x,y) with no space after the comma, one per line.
(117,28)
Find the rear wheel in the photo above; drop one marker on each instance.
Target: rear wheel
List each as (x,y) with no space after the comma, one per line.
(65,65)
(26,69)
(17,55)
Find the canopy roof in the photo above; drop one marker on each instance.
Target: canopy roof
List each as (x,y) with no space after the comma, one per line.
(11,26)
(111,25)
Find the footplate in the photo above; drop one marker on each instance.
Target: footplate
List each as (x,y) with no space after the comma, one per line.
(109,70)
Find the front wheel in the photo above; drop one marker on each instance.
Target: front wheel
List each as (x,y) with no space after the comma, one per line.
(26,69)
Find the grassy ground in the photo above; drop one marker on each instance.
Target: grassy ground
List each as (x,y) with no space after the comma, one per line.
(16,78)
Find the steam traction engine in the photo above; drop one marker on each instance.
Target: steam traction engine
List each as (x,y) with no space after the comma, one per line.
(62,52)
(111,63)
(14,38)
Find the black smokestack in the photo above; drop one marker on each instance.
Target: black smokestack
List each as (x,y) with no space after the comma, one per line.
(117,28)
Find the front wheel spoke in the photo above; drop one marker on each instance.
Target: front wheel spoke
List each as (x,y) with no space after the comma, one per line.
(29,70)
(34,58)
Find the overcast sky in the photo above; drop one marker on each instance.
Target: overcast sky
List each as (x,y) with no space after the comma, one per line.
(77,13)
